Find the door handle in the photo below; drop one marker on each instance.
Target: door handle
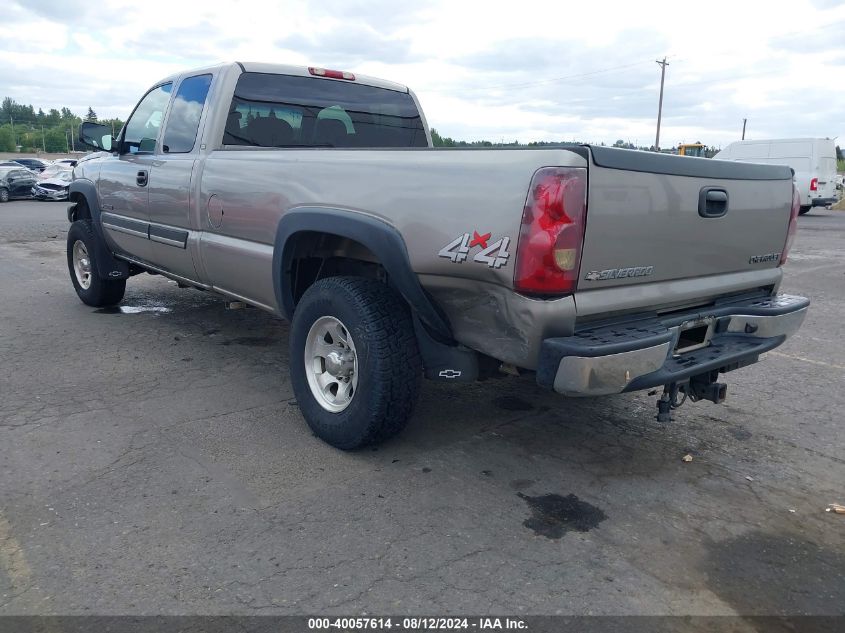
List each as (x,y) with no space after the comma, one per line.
(141,178)
(712,202)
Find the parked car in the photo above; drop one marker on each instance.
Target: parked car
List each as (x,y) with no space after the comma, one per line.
(34,164)
(51,171)
(15,182)
(812,159)
(70,162)
(316,195)
(53,188)
(11,163)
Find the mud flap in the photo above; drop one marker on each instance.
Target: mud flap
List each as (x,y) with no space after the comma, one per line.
(450,363)
(108,266)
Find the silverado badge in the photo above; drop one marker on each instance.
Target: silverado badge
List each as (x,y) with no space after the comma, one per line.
(619,273)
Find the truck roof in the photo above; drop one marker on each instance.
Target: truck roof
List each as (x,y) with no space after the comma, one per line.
(287,69)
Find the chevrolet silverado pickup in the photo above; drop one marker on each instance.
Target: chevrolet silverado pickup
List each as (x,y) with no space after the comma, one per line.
(315,195)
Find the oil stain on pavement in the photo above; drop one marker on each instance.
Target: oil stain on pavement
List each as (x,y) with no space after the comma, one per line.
(553,515)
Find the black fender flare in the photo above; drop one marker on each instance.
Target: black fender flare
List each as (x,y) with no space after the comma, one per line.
(108,267)
(382,239)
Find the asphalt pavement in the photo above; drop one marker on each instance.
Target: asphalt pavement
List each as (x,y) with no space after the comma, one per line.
(153,460)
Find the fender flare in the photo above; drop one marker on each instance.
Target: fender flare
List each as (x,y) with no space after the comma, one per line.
(88,190)
(108,267)
(382,239)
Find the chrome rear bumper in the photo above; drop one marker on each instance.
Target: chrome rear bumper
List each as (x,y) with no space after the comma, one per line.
(641,353)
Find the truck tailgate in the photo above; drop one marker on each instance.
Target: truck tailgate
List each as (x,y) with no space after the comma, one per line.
(656,217)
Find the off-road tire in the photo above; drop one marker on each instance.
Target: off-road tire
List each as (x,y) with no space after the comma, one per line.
(389,365)
(100,292)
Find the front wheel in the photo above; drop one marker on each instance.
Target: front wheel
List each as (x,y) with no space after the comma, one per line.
(4,194)
(354,362)
(82,264)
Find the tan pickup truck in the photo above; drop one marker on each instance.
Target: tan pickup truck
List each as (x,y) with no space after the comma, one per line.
(316,195)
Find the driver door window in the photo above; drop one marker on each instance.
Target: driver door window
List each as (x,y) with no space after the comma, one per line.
(144,125)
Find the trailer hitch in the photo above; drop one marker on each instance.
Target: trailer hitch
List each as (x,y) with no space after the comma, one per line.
(701,387)
(705,387)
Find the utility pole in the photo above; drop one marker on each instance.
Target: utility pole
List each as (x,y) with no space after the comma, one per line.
(14,138)
(43,140)
(744,121)
(663,65)
(68,144)
(72,144)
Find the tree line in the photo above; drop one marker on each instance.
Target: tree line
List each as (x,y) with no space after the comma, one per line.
(27,130)
(445,141)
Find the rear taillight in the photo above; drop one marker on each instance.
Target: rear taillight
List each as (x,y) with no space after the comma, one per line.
(548,255)
(793,224)
(814,184)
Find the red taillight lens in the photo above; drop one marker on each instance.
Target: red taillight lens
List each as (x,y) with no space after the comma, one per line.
(814,184)
(548,256)
(793,224)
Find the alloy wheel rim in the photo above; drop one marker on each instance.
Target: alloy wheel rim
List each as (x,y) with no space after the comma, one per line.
(331,364)
(81,264)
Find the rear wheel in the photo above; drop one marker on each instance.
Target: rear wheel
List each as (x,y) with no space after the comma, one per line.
(82,265)
(354,362)
(804,210)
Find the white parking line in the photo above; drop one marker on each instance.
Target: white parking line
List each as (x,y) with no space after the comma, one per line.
(808,360)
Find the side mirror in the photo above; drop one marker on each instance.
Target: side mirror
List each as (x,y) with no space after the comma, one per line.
(96,136)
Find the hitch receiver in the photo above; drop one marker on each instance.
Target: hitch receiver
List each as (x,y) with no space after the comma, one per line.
(705,387)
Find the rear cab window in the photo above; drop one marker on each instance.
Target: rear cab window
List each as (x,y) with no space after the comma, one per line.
(270,110)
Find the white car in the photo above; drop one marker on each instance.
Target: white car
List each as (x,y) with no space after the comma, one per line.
(53,188)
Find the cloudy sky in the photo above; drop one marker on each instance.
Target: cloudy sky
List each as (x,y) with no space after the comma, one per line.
(496,69)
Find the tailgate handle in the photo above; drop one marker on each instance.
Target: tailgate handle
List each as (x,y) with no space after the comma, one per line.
(712,202)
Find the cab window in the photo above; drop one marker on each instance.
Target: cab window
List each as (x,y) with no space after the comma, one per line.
(184,119)
(142,129)
(269,110)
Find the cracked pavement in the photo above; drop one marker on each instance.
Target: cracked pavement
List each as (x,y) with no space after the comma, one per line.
(155,462)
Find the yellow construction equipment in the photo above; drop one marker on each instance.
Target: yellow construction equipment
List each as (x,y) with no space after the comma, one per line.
(692,149)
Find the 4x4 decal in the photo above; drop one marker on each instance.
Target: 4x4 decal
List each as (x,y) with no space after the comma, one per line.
(495,255)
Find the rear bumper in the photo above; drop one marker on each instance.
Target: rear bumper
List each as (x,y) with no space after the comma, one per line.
(823,202)
(640,353)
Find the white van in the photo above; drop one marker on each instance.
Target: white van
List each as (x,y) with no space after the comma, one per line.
(812,159)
